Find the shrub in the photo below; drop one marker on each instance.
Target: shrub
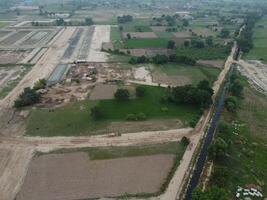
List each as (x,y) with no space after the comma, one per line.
(185,141)
(141,116)
(96,113)
(131,117)
(27,97)
(140,91)
(41,84)
(122,94)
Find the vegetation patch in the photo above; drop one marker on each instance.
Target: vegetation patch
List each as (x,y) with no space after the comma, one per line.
(146,43)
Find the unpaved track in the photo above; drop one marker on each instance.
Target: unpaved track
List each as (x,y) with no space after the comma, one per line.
(101,35)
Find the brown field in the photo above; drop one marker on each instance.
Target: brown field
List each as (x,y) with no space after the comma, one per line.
(140,34)
(36,37)
(147,52)
(14,38)
(205,32)
(103,91)
(4,33)
(175,80)
(9,57)
(74,176)
(158,28)
(182,35)
(212,63)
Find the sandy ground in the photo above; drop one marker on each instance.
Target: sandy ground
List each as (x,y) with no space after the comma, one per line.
(101,35)
(256,72)
(74,176)
(175,80)
(12,57)
(142,74)
(14,162)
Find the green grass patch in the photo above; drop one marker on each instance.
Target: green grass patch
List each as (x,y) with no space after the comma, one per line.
(207,53)
(195,73)
(75,119)
(115,37)
(103,153)
(246,162)
(146,43)
(3,24)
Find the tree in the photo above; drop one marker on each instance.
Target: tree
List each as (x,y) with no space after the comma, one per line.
(237,88)
(41,84)
(197,43)
(140,91)
(88,21)
(129,36)
(209,40)
(96,113)
(26,98)
(185,23)
(225,33)
(205,85)
(122,94)
(218,149)
(60,22)
(231,103)
(185,141)
(187,43)
(171,44)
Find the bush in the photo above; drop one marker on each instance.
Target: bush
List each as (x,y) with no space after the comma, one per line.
(96,113)
(27,97)
(231,103)
(122,94)
(136,117)
(140,91)
(41,84)
(171,44)
(131,117)
(185,141)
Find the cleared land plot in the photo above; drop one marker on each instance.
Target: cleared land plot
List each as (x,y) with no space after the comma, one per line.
(182,35)
(148,52)
(14,38)
(140,34)
(4,33)
(11,57)
(213,63)
(74,176)
(98,172)
(36,38)
(103,91)
(179,75)
(75,119)
(84,50)
(146,43)
(260,42)
(204,32)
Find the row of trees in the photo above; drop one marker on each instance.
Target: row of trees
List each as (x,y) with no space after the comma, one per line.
(200,95)
(30,96)
(124,19)
(163,59)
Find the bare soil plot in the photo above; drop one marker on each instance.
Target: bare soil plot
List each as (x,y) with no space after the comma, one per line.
(36,38)
(204,32)
(182,35)
(12,57)
(14,37)
(74,176)
(4,33)
(140,34)
(142,74)
(147,52)
(212,63)
(158,28)
(175,80)
(103,91)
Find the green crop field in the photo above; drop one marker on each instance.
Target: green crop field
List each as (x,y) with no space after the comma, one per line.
(146,43)
(75,119)
(260,42)
(3,24)
(195,73)
(115,37)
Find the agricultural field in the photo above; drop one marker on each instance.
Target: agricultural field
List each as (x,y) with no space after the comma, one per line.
(247,165)
(146,43)
(75,119)
(258,52)
(179,75)
(134,170)
(14,38)
(3,24)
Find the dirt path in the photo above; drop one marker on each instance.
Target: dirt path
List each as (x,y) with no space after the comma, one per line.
(101,35)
